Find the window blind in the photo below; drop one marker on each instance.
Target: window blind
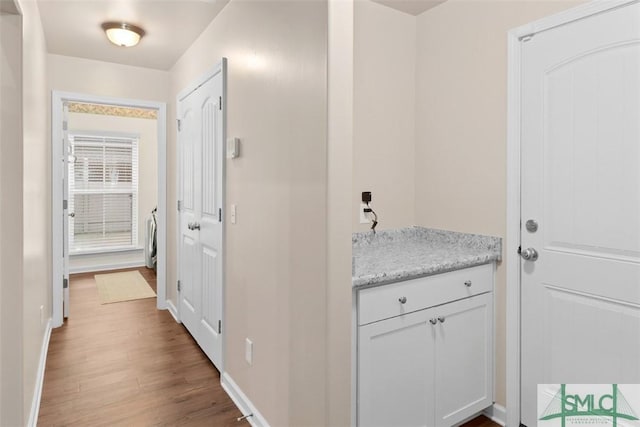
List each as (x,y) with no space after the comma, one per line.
(103,193)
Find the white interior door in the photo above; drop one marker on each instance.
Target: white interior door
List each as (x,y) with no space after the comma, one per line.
(581,184)
(67,217)
(188,142)
(201,139)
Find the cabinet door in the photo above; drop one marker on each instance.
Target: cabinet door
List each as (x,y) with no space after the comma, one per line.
(463,359)
(395,372)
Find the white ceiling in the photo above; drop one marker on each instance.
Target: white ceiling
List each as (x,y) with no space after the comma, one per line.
(412,7)
(72,28)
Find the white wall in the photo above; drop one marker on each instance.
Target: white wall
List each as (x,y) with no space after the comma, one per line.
(24,212)
(147,129)
(461,131)
(87,76)
(275,292)
(11,272)
(37,211)
(384,116)
(339,212)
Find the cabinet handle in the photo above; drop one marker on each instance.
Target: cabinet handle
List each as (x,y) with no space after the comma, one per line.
(402,300)
(441,319)
(433,321)
(467,283)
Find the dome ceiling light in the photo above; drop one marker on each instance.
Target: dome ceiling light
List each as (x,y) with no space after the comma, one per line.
(123,34)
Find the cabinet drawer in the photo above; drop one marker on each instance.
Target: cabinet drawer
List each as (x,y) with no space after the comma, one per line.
(384,301)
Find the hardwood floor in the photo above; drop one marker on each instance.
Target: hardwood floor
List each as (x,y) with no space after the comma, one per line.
(481,421)
(128,364)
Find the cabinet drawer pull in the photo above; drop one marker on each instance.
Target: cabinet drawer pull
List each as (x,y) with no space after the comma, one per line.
(402,300)
(441,319)
(467,283)
(433,321)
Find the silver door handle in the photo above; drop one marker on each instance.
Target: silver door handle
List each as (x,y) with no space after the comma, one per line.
(529,254)
(190,226)
(196,226)
(467,283)
(433,321)
(72,214)
(441,319)
(402,300)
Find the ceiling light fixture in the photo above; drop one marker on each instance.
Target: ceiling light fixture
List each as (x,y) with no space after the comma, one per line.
(123,34)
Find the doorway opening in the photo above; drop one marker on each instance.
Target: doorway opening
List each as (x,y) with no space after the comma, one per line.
(109,190)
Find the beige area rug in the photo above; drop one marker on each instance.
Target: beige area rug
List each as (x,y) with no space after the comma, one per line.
(124,286)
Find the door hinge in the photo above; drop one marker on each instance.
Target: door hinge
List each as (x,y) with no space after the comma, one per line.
(526,38)
(220,103)
(219,214)
(179,122)
(65,283)
(219,326)
(179,205)
(65,204)
(179,286)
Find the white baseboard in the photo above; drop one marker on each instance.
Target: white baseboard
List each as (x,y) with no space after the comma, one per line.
(37,392)
(242,401)
(173,310)
(497,414)
(106,267)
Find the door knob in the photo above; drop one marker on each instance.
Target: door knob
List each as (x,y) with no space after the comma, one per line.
(433,321)
(190,226)
(196,226)
(402,300)
(441,319)
(72,214)
(467,283)
(529,254)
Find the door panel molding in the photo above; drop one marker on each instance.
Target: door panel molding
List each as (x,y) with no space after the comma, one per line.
(516,38)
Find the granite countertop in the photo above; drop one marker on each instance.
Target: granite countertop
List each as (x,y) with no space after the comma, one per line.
(412,252)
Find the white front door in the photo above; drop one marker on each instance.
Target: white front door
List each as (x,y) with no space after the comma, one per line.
(201,143)
(581,184)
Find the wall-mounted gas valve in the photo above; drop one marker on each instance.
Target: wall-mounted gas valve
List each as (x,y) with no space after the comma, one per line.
(367,214)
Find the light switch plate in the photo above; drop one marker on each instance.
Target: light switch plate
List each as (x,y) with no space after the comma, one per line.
(233,148)
(248,351)
(233,214)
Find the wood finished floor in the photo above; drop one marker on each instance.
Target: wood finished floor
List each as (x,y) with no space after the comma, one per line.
(481,421)
(128,364)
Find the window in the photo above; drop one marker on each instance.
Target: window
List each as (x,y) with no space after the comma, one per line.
(103,193)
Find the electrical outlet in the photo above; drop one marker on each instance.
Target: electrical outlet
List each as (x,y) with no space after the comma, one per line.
(248,351)
(364,218)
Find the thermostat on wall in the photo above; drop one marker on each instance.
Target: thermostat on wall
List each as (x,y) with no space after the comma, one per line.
(233,148)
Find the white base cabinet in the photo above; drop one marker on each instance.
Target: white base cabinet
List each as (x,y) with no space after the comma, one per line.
(431,367)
